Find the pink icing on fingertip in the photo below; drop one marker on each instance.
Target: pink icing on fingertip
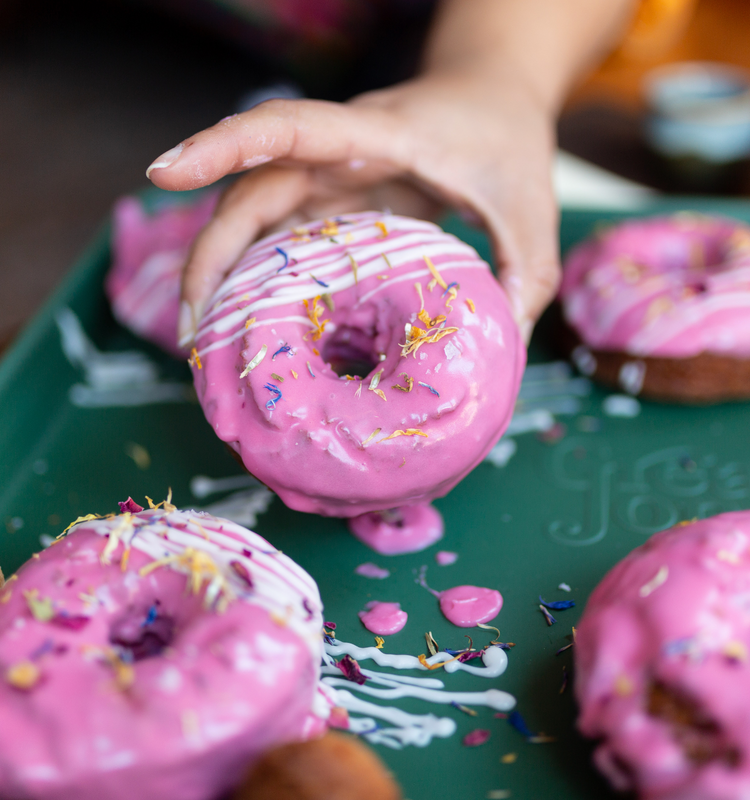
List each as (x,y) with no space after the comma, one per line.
(466,606)
(383,619)
(408,529)
(370,570)
(446,557)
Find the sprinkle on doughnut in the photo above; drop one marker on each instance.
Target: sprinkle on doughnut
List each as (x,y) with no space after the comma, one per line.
(409,381)
(435,274)
(371,436)
(355,267)
(285,348)
(25,675)
(195,359)
(427,386)
(380,225)
(470,304)
(259,356)
(249,322)
(314,312)
(407,432)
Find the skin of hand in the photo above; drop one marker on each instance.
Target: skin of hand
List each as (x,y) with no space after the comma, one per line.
(469,133)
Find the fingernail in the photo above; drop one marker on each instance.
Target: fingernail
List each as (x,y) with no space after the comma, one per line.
(185,325)
(166,159)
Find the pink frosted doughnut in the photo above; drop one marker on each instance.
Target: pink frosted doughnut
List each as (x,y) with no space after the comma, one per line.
(148,254)
(153,655)
(671,287)
(662,669)
(348,294)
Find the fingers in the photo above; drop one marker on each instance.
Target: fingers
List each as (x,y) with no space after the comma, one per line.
(250,206)
(305,132)
(523,228)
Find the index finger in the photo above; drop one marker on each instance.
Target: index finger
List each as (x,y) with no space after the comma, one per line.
(309,132)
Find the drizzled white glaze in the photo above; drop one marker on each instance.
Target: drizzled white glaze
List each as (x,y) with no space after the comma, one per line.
(410,729)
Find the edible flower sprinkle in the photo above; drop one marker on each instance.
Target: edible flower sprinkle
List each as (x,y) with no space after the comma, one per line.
(452,294)
(312,374)
(432,645)
(465,709)
(84,518)
(374,383)
(200,567)
(518,722)
(319,282)
(25,675)
(294,374)
(371,436)
(435,274)
(387,261)
(328,300)
(655,582)
(470,304)
(271,404)
(427,386)
(416,337)
(40,607)
(380,225)
(285,257)
(351,670)
(557,605)
(379,642)
(550,620)
(409,381)
(476,738)
(277,377)
(195,359)
(330,228)
(249,322)
(355,267)
(314,313)
(259,356)
(407,432)
(285,348)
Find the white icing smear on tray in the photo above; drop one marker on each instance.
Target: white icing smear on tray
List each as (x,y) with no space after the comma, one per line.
(408,729)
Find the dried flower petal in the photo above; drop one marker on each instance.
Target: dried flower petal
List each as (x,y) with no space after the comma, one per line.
(476,738)
(351,670)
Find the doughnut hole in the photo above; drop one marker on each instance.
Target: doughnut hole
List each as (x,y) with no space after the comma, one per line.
(700,737)
(351,351)
(143,631)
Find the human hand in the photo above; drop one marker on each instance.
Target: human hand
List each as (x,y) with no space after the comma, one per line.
(482,147)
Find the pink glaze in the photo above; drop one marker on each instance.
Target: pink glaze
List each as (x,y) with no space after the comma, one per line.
(370,570)
(677,611)
(383,619)
(666,286)
(401,530)
(219,675)
(330,445)
(446,557)
(149,253)
(465,606)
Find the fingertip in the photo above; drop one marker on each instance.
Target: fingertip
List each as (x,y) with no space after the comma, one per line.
(165,160)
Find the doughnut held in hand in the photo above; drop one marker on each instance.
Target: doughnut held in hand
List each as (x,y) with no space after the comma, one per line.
(360,363)
(662,667)
(154,654)
(660,307)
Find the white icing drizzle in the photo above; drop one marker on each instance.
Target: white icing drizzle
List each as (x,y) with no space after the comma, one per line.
(280,585)
(410,729)
(256,283)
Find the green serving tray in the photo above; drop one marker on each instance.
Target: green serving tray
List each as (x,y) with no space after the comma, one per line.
(562,510)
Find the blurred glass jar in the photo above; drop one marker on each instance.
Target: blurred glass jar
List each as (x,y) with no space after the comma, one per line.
(698,123)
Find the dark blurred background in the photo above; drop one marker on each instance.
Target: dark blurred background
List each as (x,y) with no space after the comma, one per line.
(92,92)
